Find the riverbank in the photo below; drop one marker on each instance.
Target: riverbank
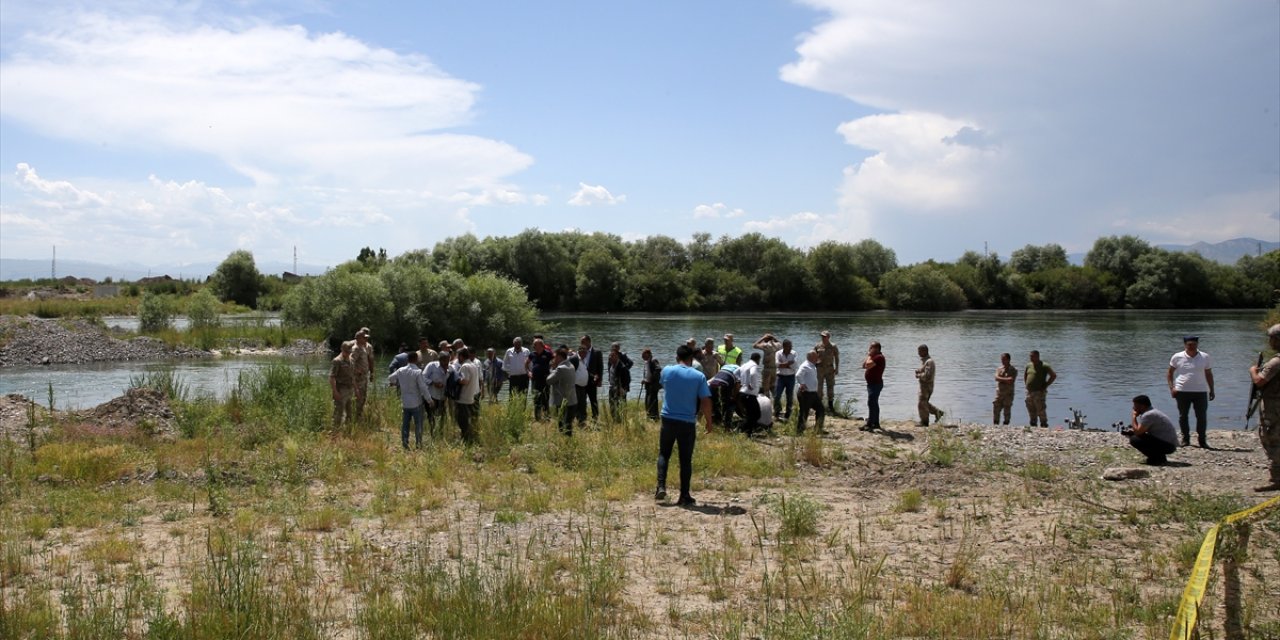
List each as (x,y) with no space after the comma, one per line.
(28,340)
(971,531)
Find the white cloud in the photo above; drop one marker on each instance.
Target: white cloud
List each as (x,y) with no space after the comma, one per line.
(717,210)
(588,195)
(778,226)
(329,130)
(1039,121)
(58,193)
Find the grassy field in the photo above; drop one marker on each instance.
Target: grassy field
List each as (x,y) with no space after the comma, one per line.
(256,520)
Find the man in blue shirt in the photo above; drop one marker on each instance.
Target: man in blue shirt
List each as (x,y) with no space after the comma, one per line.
(687,396)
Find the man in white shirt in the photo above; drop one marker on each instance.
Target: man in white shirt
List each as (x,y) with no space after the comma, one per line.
(748,393)
(581,382)
(436,374)
(786,359)
(464,406)
(807,379)
(516,365)
(1190,380)
(413,393)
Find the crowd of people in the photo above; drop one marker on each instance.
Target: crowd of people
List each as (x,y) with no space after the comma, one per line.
(737,389)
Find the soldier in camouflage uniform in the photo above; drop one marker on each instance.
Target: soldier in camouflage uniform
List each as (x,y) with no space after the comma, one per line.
(362,365)
(1267,379)
(828,367)
(1006,376)
(342,384)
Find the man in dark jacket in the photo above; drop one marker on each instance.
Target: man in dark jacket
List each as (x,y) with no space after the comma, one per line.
(619,379)
(595,377)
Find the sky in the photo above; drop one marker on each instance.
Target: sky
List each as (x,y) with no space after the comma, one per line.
(156,132)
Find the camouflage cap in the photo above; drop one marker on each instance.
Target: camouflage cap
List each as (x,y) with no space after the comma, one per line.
(1274,330)
(364,331)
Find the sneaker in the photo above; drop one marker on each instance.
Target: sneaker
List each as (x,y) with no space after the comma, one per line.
(660,495)
(1274,486)
(939,414)
(686,501)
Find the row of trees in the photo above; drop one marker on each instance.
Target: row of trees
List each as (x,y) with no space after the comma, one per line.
(573,271)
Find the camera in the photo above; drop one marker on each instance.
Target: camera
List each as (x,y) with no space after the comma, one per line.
(1124,428)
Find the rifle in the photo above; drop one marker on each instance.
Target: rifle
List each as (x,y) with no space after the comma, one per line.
(1255,396)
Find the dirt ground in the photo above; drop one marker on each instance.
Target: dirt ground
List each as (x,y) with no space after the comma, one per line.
(1021,506)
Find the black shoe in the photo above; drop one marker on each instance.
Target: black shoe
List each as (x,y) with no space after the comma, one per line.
(686,501)
(1274,486)
(1186,441)
(1006,422)
(1204,444)
(660,494)
(1157,462)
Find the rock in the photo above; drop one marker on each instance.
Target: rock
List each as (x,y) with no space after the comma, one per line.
(30,340)
(1125,473)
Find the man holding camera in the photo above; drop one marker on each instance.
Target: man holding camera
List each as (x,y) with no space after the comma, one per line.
(1151,432)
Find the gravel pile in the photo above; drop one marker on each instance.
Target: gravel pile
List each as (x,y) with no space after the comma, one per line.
(30,340)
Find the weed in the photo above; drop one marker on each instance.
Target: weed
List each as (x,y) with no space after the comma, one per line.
(909,501)
(798,515)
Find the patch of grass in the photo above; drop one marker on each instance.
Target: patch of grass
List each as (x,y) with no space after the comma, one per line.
(798,516)
(110,550)
(944,449)
(1194,508)
(1039,471)
(76,463)
(909,501)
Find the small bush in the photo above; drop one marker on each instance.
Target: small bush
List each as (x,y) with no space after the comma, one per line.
(799,516)
(202,310)
(155,312)
(910,501)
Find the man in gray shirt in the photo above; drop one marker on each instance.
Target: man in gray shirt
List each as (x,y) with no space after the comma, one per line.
(1153,432)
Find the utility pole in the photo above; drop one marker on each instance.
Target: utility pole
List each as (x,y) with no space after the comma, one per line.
(53,267)
(985,252)
(295,259)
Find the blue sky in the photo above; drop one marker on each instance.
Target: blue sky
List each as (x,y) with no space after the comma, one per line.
(161,132)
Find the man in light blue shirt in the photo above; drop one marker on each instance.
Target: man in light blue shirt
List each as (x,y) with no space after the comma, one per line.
(413,393)
(687,395)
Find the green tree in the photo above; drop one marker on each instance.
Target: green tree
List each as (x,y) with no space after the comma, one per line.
(155,312)
(921,287)
(202,310)
(237,279)
(599,281)
(836,283)
(872,260)
(1118,255)
(1032,258)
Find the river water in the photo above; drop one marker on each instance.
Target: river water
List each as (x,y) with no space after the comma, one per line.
(1103,358)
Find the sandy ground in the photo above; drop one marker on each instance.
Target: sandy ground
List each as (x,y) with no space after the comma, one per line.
(1026,504)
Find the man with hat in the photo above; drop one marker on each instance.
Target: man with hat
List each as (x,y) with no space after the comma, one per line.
(828,367)
(362,367)
(1190,379)
(1267,379)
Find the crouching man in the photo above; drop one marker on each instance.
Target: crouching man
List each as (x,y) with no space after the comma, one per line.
(1152,432)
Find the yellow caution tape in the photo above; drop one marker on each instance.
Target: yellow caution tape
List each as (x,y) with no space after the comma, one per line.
(1185,622)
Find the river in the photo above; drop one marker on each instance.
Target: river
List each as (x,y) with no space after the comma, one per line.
(1103,358)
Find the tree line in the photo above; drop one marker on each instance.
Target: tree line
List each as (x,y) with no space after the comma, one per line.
(597,272)
(490,289)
